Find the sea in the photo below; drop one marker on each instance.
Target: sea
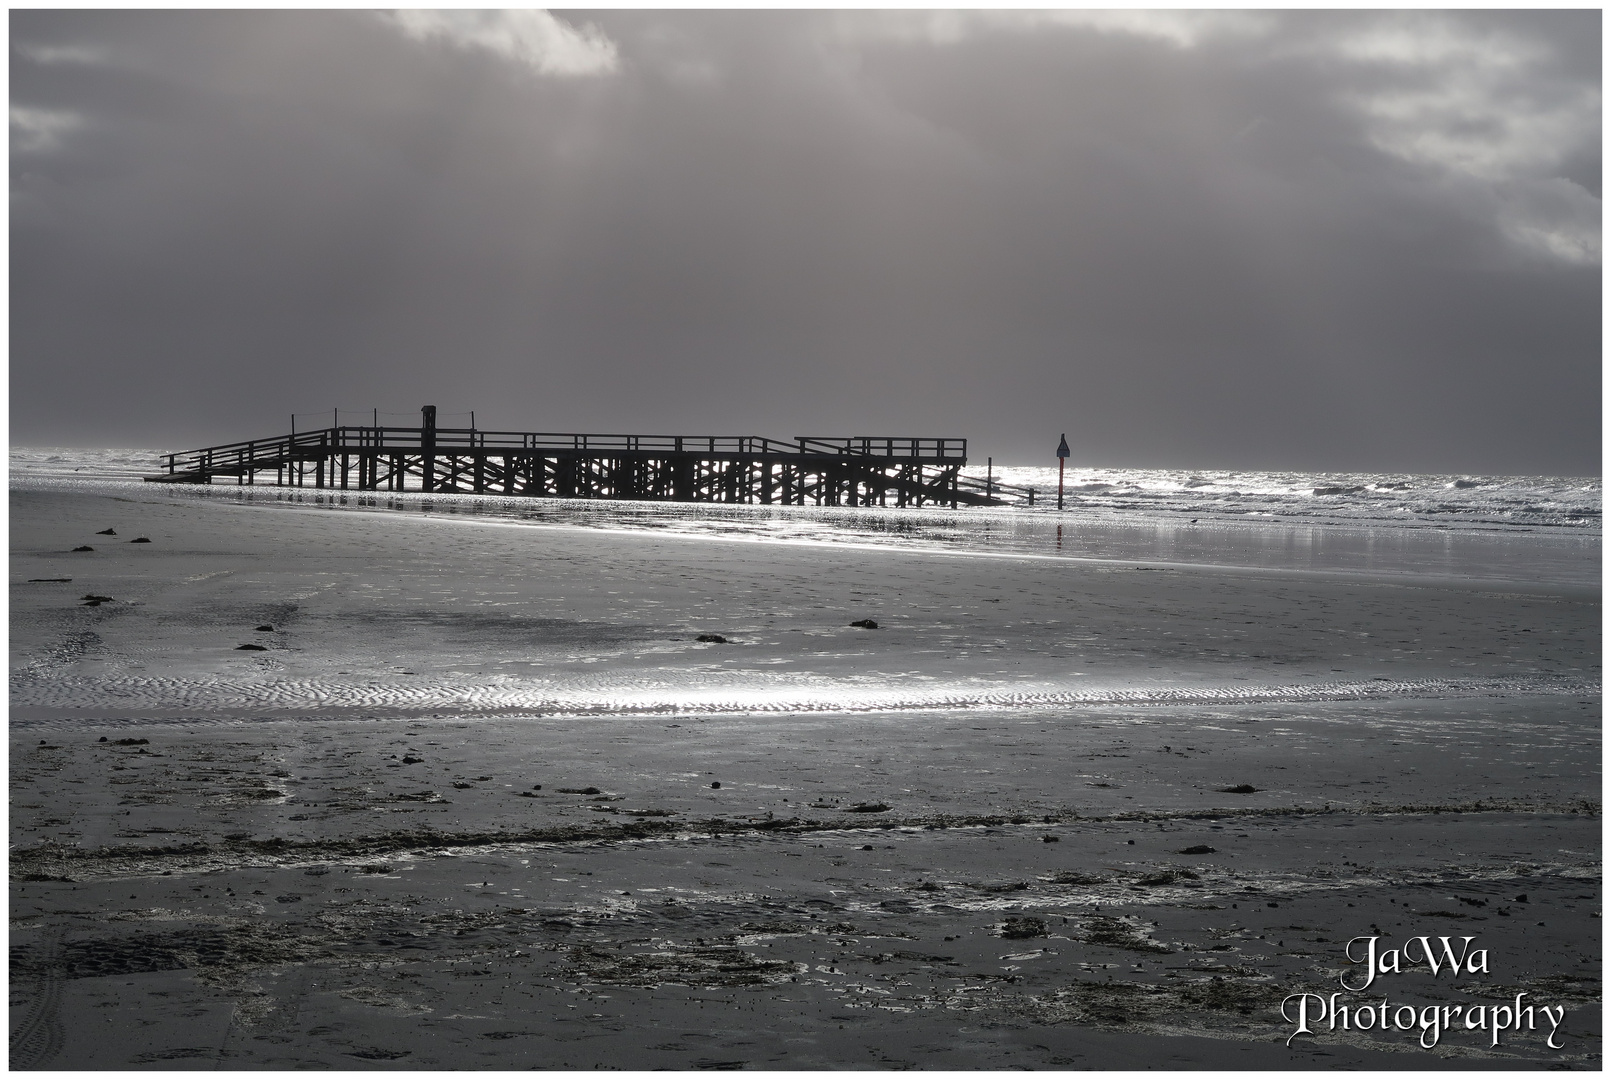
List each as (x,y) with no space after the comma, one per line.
(1507,530)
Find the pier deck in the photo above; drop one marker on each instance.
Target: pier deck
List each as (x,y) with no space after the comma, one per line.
(808,470)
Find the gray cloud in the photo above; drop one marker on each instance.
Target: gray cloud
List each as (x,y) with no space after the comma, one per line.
(1326,240)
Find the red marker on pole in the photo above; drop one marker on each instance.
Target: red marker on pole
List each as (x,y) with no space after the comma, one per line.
(1062,457)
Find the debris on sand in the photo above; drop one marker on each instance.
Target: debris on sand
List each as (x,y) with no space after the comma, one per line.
(84,547)
(107,532)
(1074,877)
(999,887)
(1123,932)
(1239,789)
(579,791)
(711,639)
(692,965)
(867,808)
(1167,877)
(865,624)
(264,629)
(251,648)
(52,580)
(141,540)
(1197,849)
(1023,926)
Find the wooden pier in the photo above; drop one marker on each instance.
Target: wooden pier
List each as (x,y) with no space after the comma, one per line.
(809,470)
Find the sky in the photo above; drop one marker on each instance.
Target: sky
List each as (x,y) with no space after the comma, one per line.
(1266,240)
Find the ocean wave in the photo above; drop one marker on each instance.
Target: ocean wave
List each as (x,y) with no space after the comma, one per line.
(1393,499)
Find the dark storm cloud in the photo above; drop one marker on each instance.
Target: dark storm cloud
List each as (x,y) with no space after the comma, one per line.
(1305,240)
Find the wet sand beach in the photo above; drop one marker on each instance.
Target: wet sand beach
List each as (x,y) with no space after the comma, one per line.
(476,795)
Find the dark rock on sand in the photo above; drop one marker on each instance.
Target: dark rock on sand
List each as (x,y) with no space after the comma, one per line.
(264,629)
(141,540)
(251,648)
(411,760)
(867,808)
(130,742)
(712,639)
(107,532)
(84,547)
(715,784)
(1023,926)
(865,624)
(1240,789)
(1197,849)
(579,791)
(96,597)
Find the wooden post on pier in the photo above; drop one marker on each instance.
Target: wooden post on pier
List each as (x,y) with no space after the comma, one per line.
(428,446)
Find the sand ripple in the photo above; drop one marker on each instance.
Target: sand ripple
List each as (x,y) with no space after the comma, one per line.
(634,696)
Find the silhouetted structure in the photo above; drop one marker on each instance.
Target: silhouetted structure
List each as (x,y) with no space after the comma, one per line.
(857,471)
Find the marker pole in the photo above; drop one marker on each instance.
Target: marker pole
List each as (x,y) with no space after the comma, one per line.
(1062,458)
